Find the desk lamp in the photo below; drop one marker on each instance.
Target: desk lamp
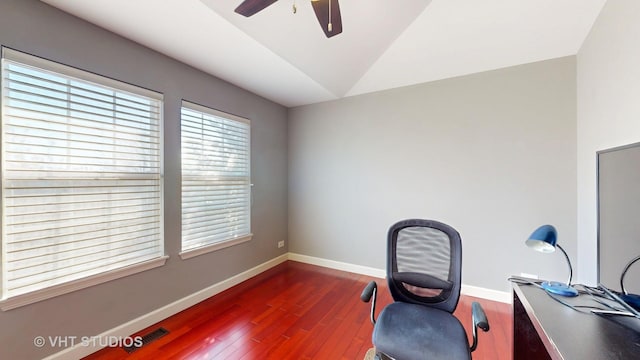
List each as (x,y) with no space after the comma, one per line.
(545,240)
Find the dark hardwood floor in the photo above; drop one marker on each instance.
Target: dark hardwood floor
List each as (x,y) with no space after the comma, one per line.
(294,311)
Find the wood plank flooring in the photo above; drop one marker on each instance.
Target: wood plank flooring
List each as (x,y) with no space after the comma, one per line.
(294,311)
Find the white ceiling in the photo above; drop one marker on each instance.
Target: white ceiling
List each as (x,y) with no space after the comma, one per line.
(286,58)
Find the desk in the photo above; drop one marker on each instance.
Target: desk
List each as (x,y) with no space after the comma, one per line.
(545,329)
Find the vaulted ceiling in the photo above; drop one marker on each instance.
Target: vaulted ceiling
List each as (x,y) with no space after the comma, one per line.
(285,57)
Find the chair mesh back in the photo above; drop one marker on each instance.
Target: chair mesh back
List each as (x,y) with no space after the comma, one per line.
(423,250)
(424,263)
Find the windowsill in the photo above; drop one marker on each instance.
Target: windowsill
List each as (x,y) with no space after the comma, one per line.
(32,297)
(214,247)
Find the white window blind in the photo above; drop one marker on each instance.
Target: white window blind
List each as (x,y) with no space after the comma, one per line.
(216,185)
(81,175)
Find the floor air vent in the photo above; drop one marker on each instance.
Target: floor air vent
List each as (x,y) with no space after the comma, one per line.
(146,339)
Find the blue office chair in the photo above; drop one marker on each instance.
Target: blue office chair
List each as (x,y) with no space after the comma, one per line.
(424,262)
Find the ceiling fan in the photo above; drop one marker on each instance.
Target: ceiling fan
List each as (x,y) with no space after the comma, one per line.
(327,12)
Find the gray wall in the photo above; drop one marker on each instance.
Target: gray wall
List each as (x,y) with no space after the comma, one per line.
(493,154)
(33,27)
(608,94)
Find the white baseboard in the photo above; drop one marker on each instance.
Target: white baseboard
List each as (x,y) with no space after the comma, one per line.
(358,269)
(475,291)
(79,351)
(488,294)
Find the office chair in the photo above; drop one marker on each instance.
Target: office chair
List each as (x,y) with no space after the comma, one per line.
(424,262)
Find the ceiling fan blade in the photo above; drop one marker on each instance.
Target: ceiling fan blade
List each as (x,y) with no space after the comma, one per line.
(321,8)
(250,7)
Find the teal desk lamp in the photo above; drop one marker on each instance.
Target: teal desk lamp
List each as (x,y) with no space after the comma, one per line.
(545,240)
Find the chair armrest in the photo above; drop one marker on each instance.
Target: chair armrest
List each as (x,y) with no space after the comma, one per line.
(479,319)
(370,290)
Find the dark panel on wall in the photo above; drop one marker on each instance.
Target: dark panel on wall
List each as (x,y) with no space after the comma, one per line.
(619,216)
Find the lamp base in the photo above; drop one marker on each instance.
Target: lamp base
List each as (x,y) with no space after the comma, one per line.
(632,299)
(559,288)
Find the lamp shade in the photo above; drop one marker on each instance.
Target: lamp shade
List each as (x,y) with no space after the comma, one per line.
(543,239)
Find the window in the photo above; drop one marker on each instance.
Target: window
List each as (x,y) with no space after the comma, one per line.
(81,179)
(216,185)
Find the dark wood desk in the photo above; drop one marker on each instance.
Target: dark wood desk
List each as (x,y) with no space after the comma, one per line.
(545,329)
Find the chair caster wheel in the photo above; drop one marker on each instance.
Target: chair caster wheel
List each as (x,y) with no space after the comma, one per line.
(381,357)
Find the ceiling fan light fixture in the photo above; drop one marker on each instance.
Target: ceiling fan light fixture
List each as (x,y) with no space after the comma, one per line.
(327,12)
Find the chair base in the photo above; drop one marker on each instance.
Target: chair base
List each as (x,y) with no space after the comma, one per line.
(372,354)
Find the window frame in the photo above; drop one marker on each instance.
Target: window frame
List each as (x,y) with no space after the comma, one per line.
(68,72)
(218,245)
